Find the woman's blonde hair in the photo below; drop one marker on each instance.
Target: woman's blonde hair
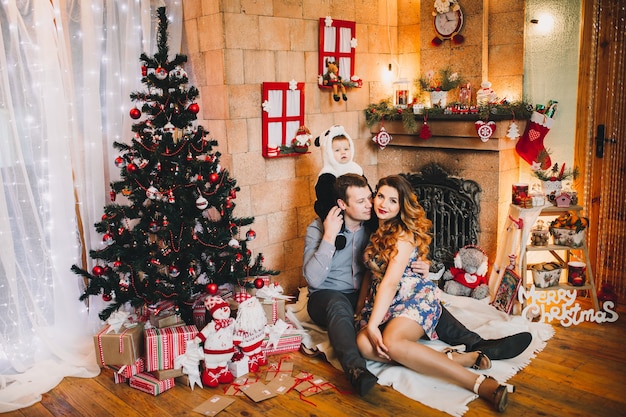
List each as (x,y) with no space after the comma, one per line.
(411,223)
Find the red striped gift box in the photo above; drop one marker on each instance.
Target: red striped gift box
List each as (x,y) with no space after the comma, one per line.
(163,345)
(148,383)
(287,343)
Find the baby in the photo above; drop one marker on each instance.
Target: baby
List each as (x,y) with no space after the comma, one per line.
(337,156)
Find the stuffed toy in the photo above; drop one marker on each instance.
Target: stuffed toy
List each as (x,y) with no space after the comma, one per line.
(302,141)
(250,330)
(333,79)
(217,337)
(468,276)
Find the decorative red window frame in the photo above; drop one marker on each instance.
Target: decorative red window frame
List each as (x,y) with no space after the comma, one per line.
(334,52)
(280,126)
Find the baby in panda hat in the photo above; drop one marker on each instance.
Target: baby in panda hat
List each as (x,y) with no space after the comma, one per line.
(338,158)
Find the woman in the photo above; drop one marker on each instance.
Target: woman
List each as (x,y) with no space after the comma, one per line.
(404,306)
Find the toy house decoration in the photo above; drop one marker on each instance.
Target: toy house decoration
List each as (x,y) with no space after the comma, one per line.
(282,117)
(337,43)
(563,200)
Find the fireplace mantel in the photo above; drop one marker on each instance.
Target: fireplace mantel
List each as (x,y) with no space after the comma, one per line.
(451,134)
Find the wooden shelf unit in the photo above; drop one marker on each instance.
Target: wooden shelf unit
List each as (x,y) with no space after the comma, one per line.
(555,252)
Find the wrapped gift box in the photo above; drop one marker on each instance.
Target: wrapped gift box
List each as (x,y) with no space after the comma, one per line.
(128,370)
(165,320)
(119,348)
(163,345)
(119,379)
(167,374)
(240,367)
(274,310)
(148,383)
(286,343)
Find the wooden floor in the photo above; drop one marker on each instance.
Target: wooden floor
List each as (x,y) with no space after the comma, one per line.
(581,372)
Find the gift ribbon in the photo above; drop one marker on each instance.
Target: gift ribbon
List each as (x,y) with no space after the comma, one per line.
(272,291)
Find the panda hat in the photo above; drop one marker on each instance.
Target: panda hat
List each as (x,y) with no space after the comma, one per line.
(331,166)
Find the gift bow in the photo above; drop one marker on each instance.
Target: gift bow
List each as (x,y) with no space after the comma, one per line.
(117,320)
(190,362)
(272,291)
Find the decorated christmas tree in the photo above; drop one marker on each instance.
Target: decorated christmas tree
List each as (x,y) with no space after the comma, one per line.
(176,238)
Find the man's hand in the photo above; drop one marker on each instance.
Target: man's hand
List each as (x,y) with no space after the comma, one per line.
(333,224)
(421,267)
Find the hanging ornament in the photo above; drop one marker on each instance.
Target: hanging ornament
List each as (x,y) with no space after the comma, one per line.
(170,198)
(213,178)
(485,130)
(233,243)
(174,272)
(250,235)
(107,238)
(132,167)
(211,288)
(513,130)
(107,297)
(154,227)
(238,257)
(194,108)
(165,222)
(144,70)
(152,192)
(229,204)
(160,73)
(382,138)
(202,203)
(117,264)
(126,191)
(98,270)
(112,195)
(120,162)
(135,113)
(169,127)
(233,193)
(425,132)
(259,283)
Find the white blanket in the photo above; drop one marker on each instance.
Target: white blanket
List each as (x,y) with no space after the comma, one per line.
(476,315)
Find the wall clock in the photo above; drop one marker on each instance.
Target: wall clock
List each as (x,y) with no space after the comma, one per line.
(448,25)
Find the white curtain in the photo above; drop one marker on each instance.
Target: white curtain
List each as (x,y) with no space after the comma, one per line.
(66,70)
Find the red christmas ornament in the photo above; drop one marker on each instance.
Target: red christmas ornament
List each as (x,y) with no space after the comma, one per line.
(425,132)
(112,194)
(144,70)
(135,113)
(132,167)
(233,193)
(98,270)
(194,108)
(250,234)
(211,288)
(117,264)
(107,297)
(213,178)
(238,257)
(259,283)
(107,238)
(119,162)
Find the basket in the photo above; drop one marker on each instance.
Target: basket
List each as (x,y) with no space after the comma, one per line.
(568,237)
(546,274)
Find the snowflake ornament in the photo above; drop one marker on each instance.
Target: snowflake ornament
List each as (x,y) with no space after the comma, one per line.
(382,138)
(293,85)
(266,106)
(328,21)
(353,43)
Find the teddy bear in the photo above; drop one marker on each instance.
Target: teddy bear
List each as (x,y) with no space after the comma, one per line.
(468,276)
(333,79)
(217,338)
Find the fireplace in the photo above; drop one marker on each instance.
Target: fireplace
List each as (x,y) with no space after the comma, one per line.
(453,205)
(491,167)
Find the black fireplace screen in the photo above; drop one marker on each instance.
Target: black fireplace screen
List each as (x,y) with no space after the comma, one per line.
(453,205)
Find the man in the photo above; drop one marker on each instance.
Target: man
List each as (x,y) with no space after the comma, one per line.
(334,270)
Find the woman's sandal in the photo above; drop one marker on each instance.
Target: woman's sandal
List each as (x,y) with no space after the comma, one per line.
(482,361)
(499,397)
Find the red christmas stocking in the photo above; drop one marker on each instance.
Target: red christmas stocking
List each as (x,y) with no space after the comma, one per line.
(530,145)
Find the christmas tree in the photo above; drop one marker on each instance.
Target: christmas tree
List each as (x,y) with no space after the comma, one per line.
(177,237)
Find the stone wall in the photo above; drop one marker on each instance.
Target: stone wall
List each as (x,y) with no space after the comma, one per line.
(235,45)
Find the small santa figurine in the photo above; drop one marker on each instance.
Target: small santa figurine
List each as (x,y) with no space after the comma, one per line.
(250,330)
(302,141)
(219,347)
(486,94)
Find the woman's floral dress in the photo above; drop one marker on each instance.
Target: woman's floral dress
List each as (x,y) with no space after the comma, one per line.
(417,298)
